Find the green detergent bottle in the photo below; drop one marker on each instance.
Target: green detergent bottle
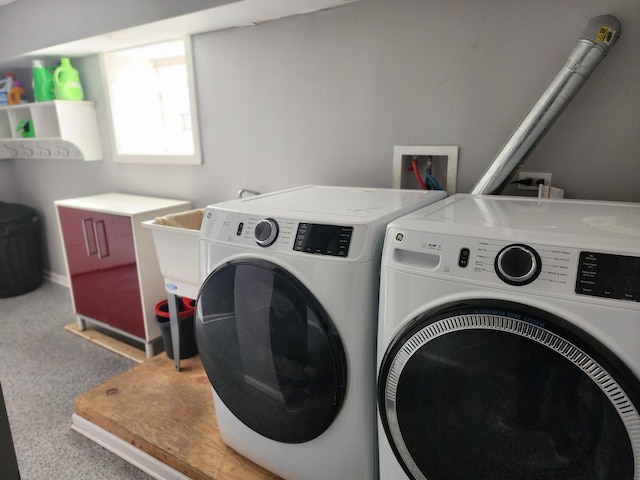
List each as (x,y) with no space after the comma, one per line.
(66,82)
(42,82)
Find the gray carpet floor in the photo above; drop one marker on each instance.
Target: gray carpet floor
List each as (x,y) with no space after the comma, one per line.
(42,369)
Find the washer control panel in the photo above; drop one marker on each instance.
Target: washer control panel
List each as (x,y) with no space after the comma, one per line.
(531,267)
(538,267)
(609,276)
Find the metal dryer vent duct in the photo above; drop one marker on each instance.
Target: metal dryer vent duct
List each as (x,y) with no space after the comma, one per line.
(597,39)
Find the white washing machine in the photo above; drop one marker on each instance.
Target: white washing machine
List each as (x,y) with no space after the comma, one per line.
(286,323)
(509,341)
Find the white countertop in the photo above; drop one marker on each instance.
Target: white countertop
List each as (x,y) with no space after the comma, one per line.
(121,204)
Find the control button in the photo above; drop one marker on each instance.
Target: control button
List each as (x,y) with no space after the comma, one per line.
(463,260)
(239,230)
(518,264)
(266,232)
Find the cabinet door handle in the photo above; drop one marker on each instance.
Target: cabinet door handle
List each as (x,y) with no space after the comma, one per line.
(101,239)
(89,236)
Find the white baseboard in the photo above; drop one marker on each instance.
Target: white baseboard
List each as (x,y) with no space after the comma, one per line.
(56,278)
(136,457)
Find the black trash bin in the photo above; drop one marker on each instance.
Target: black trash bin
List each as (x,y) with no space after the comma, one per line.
(188,347)
(20,250)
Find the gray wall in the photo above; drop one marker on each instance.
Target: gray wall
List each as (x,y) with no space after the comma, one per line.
(8,191)
(323,98)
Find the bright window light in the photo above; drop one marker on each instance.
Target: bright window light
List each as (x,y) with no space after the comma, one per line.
(152,104)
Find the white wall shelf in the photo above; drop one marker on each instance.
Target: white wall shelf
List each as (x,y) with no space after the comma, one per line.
(63,129)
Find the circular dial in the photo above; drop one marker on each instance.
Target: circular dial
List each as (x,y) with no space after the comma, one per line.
(266,232)
(518,264)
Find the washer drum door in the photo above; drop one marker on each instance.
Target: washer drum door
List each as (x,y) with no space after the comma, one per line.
(492,389)
(270,350)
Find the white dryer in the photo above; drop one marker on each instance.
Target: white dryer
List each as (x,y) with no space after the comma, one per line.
(286,323)
(509,341)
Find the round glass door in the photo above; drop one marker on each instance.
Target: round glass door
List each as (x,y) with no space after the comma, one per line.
(499,390)
(270,350)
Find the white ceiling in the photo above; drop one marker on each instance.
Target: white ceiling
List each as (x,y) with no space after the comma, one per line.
(241,13)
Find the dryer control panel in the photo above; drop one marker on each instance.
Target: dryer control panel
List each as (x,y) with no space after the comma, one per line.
(277,234)
(323,239)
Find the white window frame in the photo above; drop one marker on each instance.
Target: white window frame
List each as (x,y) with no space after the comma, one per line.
(196,157)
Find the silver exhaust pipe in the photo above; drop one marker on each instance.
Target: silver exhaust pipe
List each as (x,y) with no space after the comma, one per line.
(597,39)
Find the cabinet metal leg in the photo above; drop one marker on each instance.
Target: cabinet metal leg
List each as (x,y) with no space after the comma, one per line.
(81,324)
(175,329)
(149,350)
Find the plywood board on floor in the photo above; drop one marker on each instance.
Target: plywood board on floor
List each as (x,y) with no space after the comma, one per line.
(170,416)
(108,342)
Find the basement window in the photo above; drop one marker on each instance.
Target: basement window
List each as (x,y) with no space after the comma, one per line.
(152,107)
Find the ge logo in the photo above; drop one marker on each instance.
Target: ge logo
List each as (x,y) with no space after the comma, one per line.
(399,236)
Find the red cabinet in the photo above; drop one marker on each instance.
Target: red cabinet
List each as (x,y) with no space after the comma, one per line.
(101,257)
(114,277)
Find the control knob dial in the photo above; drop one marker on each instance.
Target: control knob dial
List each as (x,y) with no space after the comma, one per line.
(518,264)
(266,232)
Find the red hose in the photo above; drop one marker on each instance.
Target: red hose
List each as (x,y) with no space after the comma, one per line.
(414,167)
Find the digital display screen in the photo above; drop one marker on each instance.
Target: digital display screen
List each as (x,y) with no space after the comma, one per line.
(323,239)
(609,276)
